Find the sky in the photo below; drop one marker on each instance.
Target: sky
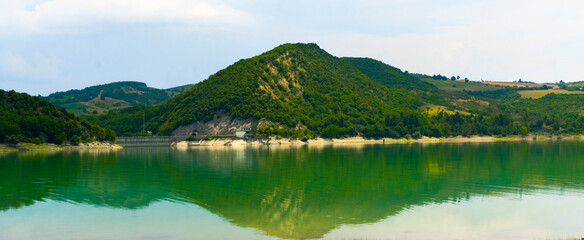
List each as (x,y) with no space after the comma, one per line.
(56,45)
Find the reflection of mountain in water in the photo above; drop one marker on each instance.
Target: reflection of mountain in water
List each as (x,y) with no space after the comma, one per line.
(299,192)
(96,178)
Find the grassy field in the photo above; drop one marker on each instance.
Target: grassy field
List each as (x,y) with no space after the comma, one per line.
(460,85)
(540,93)
(105,105)
(97,105)
(519,85)
(576,84)
(76,108)
(433,110)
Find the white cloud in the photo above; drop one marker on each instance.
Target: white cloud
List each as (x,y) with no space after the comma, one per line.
(30,16)
(536,41)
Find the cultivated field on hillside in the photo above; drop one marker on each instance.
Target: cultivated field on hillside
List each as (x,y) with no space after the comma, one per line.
(540,93)
(461,85)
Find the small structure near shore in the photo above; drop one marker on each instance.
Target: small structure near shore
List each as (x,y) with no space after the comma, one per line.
(242,132)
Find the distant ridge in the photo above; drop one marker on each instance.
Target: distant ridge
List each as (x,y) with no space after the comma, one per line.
(117,95)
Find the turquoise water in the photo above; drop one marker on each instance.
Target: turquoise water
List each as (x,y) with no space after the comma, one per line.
(436,191)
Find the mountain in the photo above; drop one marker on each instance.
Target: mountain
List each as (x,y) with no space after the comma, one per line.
(296,85)
(24,118)
(301,91)
(300,87)
(117,95)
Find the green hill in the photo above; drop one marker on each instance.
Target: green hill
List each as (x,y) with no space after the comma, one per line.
(301,91)
(117,95)
(300,87)
(31,119)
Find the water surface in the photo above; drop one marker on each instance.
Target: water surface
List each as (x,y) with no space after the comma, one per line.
(437,191)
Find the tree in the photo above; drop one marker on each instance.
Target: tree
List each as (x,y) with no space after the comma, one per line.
(523,130)
(110,136)
(502,120)
(331,131)
(75,140)
(453,78)
(61,138)
(417,135)
(14,139)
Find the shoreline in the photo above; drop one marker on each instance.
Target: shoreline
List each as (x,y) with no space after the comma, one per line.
(360,140)
(24,147)
(295,142)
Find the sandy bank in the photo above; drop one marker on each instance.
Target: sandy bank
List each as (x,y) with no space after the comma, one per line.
(360,140)
(95,145)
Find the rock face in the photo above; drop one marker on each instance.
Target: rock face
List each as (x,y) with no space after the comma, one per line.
(221,125)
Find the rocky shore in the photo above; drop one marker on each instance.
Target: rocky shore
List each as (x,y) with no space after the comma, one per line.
(360,140)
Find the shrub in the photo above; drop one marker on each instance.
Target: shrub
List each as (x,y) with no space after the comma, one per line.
(75,140)
(61,138)
(36,140)
(417,135)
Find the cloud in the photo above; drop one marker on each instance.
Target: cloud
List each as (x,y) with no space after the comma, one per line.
(536,41)
(34,16)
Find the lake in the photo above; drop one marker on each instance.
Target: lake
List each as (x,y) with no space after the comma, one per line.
(508,190)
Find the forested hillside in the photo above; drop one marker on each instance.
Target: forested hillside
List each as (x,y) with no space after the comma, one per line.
(299,86)
(304,92)
(388,75)
(117,95)
(24,118)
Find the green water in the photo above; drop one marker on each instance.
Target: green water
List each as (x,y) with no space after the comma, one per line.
(437,191)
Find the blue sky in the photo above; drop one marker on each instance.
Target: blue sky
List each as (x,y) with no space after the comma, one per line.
(56,45)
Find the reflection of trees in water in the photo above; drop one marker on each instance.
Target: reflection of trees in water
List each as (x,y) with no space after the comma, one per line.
(294,192)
